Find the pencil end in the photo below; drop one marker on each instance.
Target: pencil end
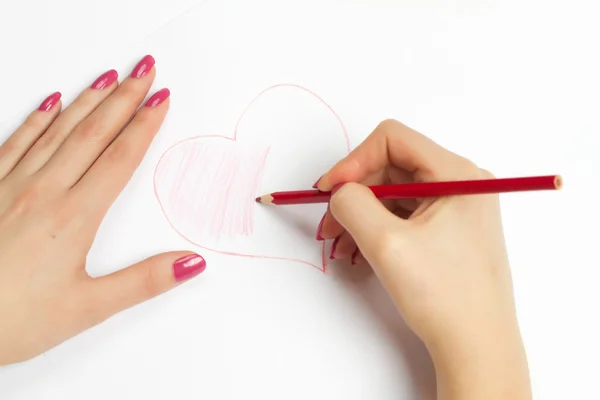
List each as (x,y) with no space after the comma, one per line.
(558,182)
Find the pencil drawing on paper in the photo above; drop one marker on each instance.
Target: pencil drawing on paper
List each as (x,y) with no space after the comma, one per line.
(206,186)
(215,191)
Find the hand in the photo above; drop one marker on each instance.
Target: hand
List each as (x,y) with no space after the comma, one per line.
(443,261)
(59,174)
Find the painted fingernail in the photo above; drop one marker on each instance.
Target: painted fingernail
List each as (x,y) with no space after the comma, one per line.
(354,256)
(333,246)
(50,102)
(105,80)
(143,67)
(316,185)
(188,267)
(320,228)
(158,97)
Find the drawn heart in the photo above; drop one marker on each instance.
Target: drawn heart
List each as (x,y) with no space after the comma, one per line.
(284,140)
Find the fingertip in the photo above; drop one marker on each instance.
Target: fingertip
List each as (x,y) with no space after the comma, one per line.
(325,183)
(146,66)
(52,102)
(321,184)
(144,280)
(158,98)
(330,228)
(316,184)
(357,257)
(188,266)
(333,248)
(345,246)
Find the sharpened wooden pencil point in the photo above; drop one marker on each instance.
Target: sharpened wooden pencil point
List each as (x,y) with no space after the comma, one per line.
(266,199)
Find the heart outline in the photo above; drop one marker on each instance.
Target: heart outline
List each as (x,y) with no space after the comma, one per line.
(233,138)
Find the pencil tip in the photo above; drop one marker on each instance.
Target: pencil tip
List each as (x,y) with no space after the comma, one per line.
(258,199)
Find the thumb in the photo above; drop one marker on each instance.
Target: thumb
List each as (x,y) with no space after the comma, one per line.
(145,280)
(363,216)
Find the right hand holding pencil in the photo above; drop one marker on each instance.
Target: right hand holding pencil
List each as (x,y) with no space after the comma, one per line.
(443,261)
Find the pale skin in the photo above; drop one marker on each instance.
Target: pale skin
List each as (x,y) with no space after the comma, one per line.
(442,261)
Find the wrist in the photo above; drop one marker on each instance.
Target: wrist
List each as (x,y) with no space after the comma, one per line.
(492,365)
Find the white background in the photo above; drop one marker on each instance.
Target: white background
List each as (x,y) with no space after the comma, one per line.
(514,85)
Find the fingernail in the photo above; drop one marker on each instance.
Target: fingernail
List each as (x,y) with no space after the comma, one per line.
(354,255)
(315,186)
(333,246)
(336,188)
(320,228)
(188,267)
(158,97)
(105,80)
(50,102)
(143,67)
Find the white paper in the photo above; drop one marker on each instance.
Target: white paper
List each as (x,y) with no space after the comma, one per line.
(502,83)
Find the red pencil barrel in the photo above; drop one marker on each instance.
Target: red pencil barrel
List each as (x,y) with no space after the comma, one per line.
(438,189)
(431,189)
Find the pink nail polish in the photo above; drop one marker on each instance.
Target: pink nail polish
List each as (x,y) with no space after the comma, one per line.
(188,267)
(50,102)
(333,246)
(143,67)
(320,228)
(105,80)
(354,255)
(316,185)
(158,97)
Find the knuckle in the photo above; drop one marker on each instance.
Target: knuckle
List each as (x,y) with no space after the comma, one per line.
(35,122)
(117,152)
(388,125)
(52,137)
(485,174)
(46,140)
(91,130)
(62,217)
(7,147)
(466,168)
(391,127)
(29,195)
(150,282)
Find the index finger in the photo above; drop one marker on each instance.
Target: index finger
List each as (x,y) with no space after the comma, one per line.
(393,143)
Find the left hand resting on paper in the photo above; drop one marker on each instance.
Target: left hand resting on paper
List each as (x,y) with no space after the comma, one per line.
(59,174)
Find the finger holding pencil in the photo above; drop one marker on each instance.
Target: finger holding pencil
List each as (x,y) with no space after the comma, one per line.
(396,202)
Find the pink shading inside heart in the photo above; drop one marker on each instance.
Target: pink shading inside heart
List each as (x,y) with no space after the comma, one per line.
(239,172)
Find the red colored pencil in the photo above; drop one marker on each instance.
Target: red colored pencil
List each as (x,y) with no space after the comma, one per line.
(424,189)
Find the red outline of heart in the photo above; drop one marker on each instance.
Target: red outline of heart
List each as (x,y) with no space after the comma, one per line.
(234,138)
